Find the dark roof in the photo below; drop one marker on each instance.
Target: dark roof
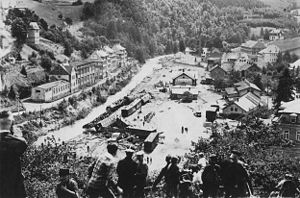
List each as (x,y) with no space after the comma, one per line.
(60,70)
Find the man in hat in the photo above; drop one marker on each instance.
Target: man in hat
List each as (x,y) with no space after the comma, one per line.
(238,181)
(211,178)
(140,175)
(126,170)
(103,178)
(11,149)
(67,188)
(172,178)
(287,187)
(162,172)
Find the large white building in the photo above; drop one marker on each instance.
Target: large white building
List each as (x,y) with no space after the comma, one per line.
(270,54)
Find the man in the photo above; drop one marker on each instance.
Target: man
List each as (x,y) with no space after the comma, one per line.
(211,178)
(103,178)
(162,172)
(126,170)
(140,175)
(238,183)
(287,187)
(172,178)
(68,187)
(11,149)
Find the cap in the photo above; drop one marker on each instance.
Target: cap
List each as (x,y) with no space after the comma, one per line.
(6,115)
(140,153)
(129,150)
(64,172)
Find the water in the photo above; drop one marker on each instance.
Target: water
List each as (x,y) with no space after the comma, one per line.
(69,132)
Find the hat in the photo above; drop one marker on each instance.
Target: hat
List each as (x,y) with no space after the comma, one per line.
(129,150)
(6,115)
(64,172)
(140,153)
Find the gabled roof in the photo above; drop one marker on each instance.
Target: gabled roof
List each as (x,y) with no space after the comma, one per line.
(52,84)
(248,102)
(189,74)
(98,54)
(227,66)
(215,67)
(291,107)
(295,64)
(61,70)
(275,31)
(108,49)
(245,84)
(254,44)
(34,25)
(231,55)
(61,57)
(287,44)
(118,47)
(230,90)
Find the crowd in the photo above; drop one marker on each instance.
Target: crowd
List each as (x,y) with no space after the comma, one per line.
(109,178)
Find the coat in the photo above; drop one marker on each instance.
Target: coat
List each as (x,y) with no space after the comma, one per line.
(126,170)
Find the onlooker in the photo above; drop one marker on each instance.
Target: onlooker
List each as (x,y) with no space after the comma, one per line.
(126,170)
(140,175)
(287,187)
(103,178)
(211,178)
(202,162)
(68,187)
(172,178)
(162,172)
(11,149)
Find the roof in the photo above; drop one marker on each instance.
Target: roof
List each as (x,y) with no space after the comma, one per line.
(291,107)
(52,84)
(269,49)
(108,49)
(215,67)
(34,25)
(61,57)
(227,66)
(242,67)
(98,54)
(61,70)
(231,90)
(214,55)
(118,47)
(231,55)
(295,64)
(276,31)
(248,102)
(254,44)
(287,44)
(190,74)
(245,84)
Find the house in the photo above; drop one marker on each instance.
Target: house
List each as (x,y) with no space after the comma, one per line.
(33,33)
(270,53)
(295,65)
(50,91)
(288,120)
(63,59)
(213,58)
(112,57)
(86,72)
(65,73)
(243,105)
(244,87)
(276,34)
(231,93)
(253,47)
(246,68)
(100,57)
(218,73)
(230,57)
(288,45)
(121,53)
(185,78)
(179,92)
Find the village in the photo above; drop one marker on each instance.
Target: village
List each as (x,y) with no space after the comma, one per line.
(160,105)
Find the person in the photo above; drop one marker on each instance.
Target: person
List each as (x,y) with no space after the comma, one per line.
(237,182)
(11,149)
(182,129)
(140,175)
(126,170)
(68,187)
(172,178)
(103,179)
(211,178)
(202,162)
(162,172)
(287,187)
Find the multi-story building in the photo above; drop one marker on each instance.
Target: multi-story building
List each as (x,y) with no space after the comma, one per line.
(288,120)
(112,58)
(33,33)
(65,73)
(270,53)
(121,53)
(253,47)
(85,72)
(276,34)
(101,58)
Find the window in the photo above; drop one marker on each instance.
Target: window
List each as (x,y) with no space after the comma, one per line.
(235,109)
(231,109)
(298,136)
(286,134)
(37,91)
(293,119)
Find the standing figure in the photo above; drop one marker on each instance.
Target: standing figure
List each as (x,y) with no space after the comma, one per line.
(11,149)
(126,170)
(287,187)
(103,178)
(140,175)
(163,171)
(68,187)
(211,178)
(202,162)
(172,178)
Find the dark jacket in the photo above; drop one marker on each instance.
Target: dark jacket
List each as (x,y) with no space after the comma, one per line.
(141,175)
(63,189)
(11,178)
(126,170)
(172,175)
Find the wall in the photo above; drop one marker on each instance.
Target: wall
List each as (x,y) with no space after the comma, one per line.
(232,110)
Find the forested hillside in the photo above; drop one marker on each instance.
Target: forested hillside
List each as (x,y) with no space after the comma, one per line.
(149,27)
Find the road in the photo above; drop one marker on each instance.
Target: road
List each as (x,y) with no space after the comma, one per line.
(70,132)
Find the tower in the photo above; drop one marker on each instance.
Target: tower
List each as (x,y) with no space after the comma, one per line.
(33,33)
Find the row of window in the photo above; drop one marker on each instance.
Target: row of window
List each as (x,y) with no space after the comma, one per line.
(57,90)
(286,135)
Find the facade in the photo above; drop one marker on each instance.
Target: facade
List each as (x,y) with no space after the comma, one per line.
(276,34)
(288,121)
(217,73)
(240,89)
(33,33)
(102,59)
(185,78)
(85,72)
(65,73)
(121,53)
(112,57)
(288,45)
(50,91)
(270,53)
(213,58)
(180,92)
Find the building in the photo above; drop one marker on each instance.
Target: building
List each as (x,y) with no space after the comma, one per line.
(101,57)
(245,68)
(185,78)
(240,89)
(33,33)
(288,120)
(218,73)
(295,65)
(269,54)
(50,91)
(213,58)
(231,93)
(86,72)
(63,59)
(253,47)
(65,73)
(276,34)
(180,92)
(243,105)
(121,53)
(112,61)
(288,45)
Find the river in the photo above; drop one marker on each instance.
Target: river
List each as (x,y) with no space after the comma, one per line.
(69,132)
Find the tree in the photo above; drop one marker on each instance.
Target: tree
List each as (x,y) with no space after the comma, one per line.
(69,21)
(284,91)
(294,58)
(60,16)
(266,35)
(19,30)
(182,45)
(23,71)
(46,62)
(287,57)
(175,47)
(44,24)
(88,10)
(68,49)
(13,94)
(5,91)
(257,82)
(279,58)
(139,55)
